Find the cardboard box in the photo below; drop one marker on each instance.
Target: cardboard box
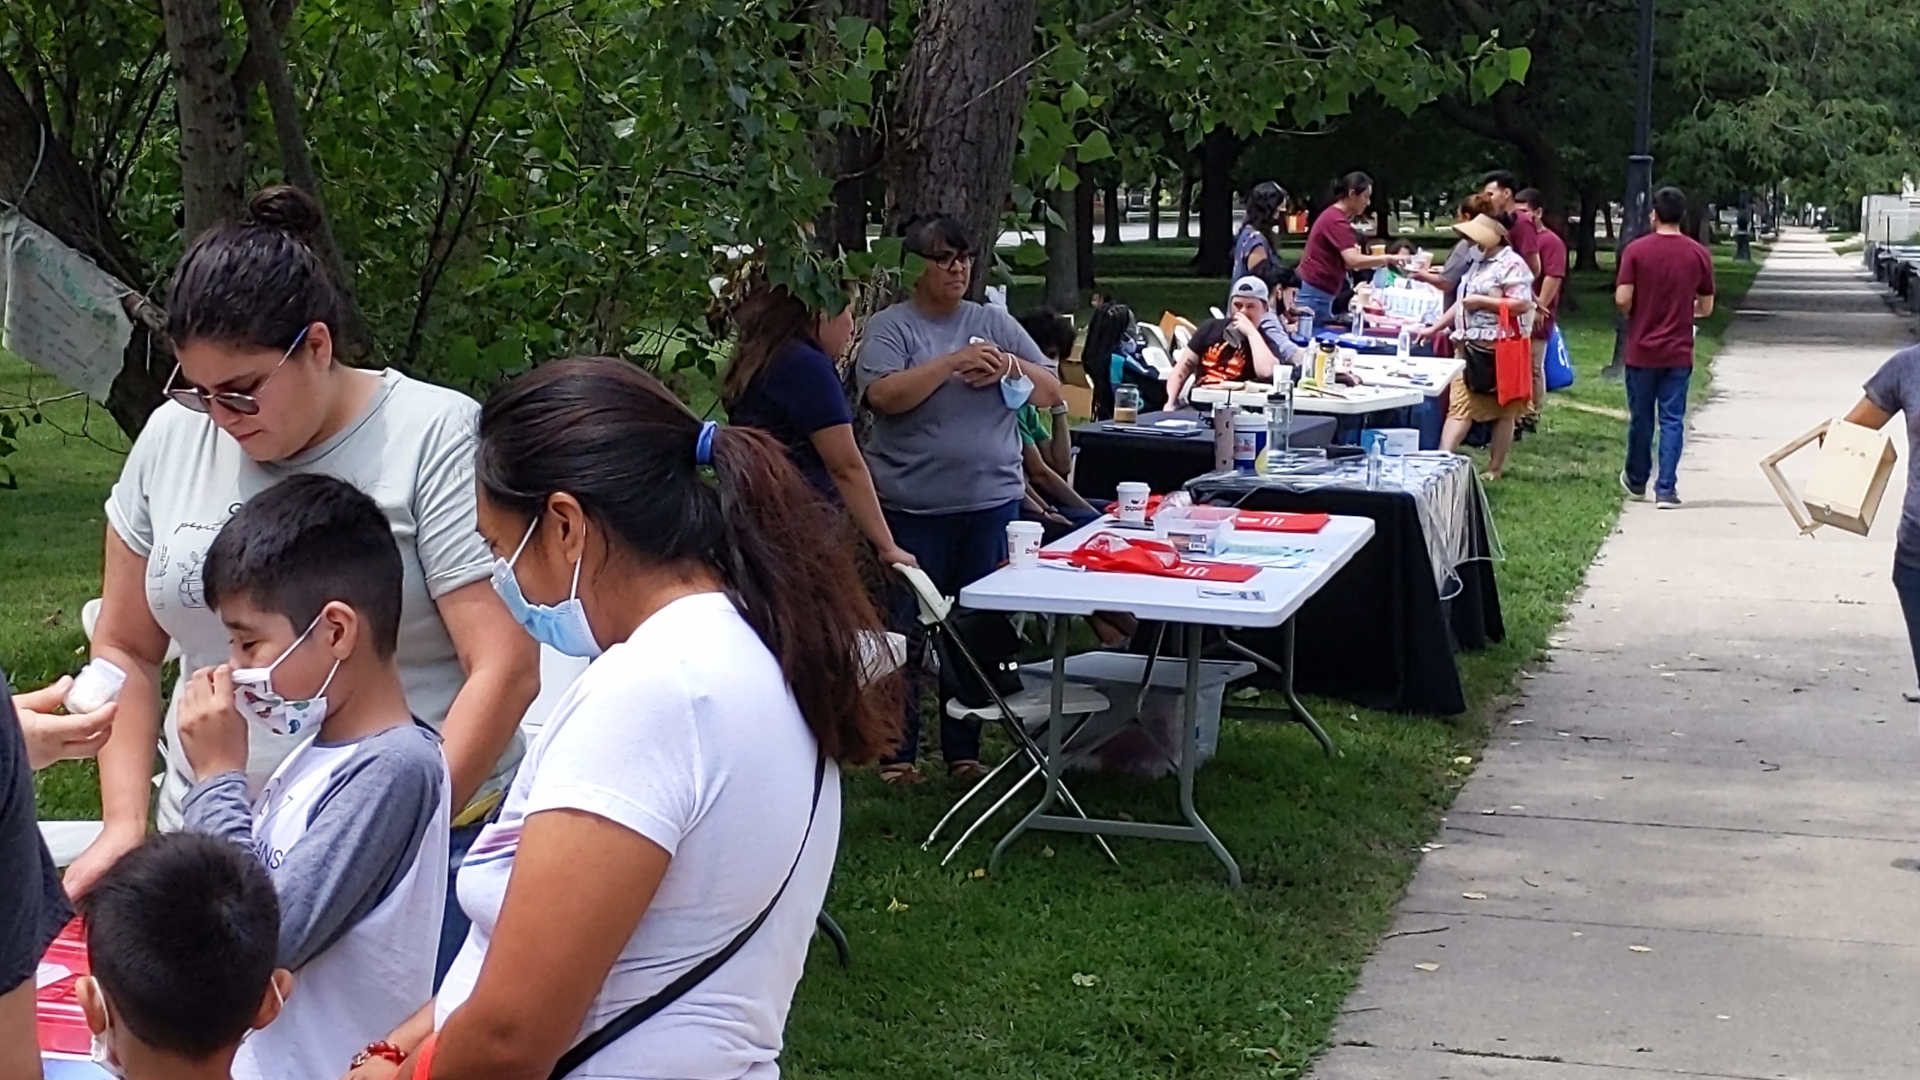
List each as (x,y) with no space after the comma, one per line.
(1849,478)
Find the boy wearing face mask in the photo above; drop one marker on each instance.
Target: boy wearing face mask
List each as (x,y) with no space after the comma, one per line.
(181,937)
(352,827)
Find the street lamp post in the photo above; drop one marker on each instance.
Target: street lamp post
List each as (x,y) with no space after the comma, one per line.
(1638,206)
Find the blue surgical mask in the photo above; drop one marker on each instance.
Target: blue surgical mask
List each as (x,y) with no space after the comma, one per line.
(561,627)
(1015,387)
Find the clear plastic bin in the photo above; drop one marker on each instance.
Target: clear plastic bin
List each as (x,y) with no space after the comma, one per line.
(1150,748)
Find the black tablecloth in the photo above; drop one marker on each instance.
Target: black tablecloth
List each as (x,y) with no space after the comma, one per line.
(1378,633)
(1111,454)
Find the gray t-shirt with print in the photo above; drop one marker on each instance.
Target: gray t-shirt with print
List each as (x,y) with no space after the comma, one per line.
(411,450)
(959,450)
(1896,389)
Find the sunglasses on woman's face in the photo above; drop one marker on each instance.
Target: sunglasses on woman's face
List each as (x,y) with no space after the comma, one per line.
(245,404)
(950,261)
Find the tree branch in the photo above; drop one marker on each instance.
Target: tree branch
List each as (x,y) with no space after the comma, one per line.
(441,241)
(253,64)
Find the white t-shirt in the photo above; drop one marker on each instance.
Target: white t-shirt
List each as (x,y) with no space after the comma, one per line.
(687,734)
(411,450)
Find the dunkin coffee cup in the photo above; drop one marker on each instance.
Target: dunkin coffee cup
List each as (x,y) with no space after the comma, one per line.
(1023,544)
(1130,508)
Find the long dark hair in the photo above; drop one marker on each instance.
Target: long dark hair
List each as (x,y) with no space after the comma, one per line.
(1352,183)
(1109,327)
(1265,203)
(765,322)
(614,438)
(257,281)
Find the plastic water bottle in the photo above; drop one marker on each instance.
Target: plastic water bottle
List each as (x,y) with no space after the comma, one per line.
(1376,462)
(1403,349)
(1280,417)
(1306,328)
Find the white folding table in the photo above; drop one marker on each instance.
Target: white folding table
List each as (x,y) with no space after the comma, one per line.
(1270,599)
(1431,375)
(1356,400)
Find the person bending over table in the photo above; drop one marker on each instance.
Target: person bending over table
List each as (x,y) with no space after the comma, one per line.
(1446,277)
(1333,249)
(945,377)
(782,380)
(259,395)
(1245,346)
(1496,276)
(684,797)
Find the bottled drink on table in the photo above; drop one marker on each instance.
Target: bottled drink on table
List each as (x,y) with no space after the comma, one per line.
(1126,404)
(1376,462)
(1280,416)
(1306,328)
(1404,347)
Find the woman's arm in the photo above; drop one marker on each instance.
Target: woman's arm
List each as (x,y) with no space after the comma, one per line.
(1050,485)
(1183,363)
(1046,385)
(1058,450)
(1360,260)
(841,455)
(1428,333)
(559,933)
(503,677)
(126,635)
(1867,414)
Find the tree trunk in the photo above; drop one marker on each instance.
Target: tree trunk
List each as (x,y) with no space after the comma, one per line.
(212,152)
(63,202)
(1153,211)
(956,152)
(1382,215)
(1063,261)
(1218,151)
(263,39)
(1116,215)
(1186,207)
(1083,233)
(1586,254)
(845,154)
(1606,214)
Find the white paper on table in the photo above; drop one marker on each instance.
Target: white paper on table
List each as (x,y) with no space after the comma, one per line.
(58,311)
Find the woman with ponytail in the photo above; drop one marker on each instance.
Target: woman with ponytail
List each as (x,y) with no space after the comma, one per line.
(260,394)
(643,905)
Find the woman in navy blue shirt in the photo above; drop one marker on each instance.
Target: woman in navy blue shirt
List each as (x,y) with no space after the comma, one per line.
(782,380)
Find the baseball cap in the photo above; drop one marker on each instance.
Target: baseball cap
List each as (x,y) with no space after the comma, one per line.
(1252,287)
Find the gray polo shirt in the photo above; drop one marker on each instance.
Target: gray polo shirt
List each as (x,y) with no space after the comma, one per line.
(959,450)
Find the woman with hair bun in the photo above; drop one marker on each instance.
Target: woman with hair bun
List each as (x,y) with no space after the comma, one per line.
(258,396)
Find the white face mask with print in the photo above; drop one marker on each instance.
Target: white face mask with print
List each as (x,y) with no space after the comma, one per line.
(254,696)
(100,1049)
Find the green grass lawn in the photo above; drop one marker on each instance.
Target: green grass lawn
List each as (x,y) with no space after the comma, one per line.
(958,975)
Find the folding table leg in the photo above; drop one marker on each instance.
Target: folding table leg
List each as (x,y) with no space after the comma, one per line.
(1190,752)
(1294,704)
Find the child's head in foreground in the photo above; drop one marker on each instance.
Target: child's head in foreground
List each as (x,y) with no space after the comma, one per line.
(182,936)
(308,572)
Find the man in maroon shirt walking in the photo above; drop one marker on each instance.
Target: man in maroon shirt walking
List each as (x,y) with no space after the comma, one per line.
(1664,283)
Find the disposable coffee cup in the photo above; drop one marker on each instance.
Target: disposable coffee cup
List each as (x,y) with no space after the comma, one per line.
(97,685)
(1131,506)
(1023,544)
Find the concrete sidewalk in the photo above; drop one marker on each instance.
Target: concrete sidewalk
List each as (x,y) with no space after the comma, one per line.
(1692,848)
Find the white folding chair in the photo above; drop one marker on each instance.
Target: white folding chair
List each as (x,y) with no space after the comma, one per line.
(1151,334)
(1016,714)
(1157,359)
(1217,313)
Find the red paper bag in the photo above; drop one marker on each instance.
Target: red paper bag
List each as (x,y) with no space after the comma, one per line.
(1112,553)
(1279,521)
(1512,360)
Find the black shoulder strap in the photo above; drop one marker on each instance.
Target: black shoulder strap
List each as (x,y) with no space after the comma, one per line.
(673,991)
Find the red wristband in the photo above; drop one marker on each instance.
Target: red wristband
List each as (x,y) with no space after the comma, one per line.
(382,1049)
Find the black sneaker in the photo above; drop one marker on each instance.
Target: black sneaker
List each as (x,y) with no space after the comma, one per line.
(1666,502)
(1637,494)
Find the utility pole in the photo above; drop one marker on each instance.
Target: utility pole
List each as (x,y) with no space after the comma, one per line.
(1638,207)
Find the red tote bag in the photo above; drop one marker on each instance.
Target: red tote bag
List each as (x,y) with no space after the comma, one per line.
(1512,360)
